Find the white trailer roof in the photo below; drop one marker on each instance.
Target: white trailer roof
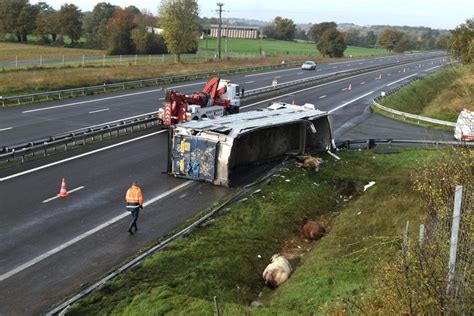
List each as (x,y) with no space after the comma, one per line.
(233,125)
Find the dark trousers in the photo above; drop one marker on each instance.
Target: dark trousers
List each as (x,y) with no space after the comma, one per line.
(135,212)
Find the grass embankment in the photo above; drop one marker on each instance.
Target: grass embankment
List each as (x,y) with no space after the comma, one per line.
(222,259)
(53,76)
(48,79)
(441,95)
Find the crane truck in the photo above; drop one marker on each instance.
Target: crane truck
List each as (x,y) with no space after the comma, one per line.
(217,98)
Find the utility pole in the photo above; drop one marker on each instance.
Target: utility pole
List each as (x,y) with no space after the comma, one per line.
(220,5)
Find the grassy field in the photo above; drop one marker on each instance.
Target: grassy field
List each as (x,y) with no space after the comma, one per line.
(441,95)
(40,77)
(226,259)
(275,47)
(11,51)
(48,79)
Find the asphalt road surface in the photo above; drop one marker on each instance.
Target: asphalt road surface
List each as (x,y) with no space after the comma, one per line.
(51,247)
(35,121)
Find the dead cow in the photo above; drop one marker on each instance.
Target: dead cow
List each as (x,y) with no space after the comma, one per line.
(312,229)
(277,272)
(311,163)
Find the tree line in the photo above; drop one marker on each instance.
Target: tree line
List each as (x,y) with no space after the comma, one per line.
(119,30)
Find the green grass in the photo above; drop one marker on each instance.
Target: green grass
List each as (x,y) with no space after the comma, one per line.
(441,95)
(11,51)
(222,259)
(276,47)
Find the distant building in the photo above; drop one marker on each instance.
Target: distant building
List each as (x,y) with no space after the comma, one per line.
(233,31)
(156,30)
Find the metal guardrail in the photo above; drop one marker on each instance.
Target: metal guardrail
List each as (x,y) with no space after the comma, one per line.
(413,116)
(62,94)
(406,115)
(345,144)
(371,143)
(41,146)
(136,261)
(80,137)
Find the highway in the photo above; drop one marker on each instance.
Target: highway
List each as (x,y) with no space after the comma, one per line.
(35,121)
(51,247)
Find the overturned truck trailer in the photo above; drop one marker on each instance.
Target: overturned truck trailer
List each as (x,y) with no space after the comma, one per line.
(210,150)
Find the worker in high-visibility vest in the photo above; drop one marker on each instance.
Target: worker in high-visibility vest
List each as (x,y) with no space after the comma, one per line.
(134,199)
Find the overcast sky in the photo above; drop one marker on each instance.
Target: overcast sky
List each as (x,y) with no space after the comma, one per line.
(432,13)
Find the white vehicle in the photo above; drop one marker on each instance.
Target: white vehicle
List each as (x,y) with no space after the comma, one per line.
(309,65)
(465,126)
(284,105)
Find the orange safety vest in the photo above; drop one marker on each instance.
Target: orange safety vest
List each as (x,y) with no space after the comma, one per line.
(134,195)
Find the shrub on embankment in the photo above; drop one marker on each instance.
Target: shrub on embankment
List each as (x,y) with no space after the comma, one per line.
(441,95)
(226,258)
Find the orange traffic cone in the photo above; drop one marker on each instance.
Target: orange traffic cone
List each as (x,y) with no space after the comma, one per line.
(350,87)
(63,192)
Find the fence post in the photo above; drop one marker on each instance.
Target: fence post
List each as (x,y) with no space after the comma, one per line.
(16,62)
(149,59)
(63,61)
(136,57)
(453,246)
(120,59)
(83,60)
(422,234)
(103,60)
(405,240)
(41,60)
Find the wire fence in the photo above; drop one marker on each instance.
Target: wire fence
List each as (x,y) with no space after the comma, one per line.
(62,61)
(438,266)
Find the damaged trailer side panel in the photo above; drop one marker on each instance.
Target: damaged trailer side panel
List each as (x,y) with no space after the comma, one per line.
(210,150)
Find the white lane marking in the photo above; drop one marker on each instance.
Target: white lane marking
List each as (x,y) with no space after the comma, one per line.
(86,234)
(270,72)
(389,74)
(351,101)
(110,98)
(394,82)
(347,61)
(161,98)
(298,73)
(310,88)
(91,101)
(70,191)
(323,96)
(361,63)
(344,89)
(334,67)
(277,77)
(101,110)
(432,68)
(250,81)
(5,129)
(77,157)
(319,70)
(363,82)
